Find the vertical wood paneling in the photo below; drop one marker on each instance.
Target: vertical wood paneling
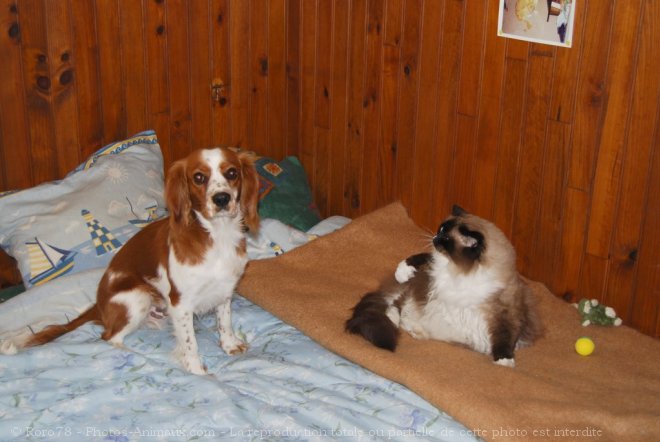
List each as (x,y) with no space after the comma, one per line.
(424,152)
(354,127)
(612,143)
(322,93)
(462,184)
(277,77)
(593,274)
(158,100)
(221,75)
(636,170)
(492,88)
(239,37)
(408,93)
(338,93)
(446,145)
(571,241)
(517,50)
(591,95)
(178,59)
(204,18)
(63,90)
(543,258)
(133,65)
(110,78)
(389,111)
(309,27)
(322,67)
(646,295)
(471,56)
(415,100)
(85,54)
(371,103)
(567,67)
(528,191)
(612,148)
(293,76)
(37,80)
(15,144)
(510,135)
(259,65)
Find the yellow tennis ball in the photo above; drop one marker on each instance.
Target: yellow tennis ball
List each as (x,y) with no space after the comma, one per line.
(584,346)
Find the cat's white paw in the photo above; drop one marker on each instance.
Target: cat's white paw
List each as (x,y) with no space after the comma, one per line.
(505,362)
(404,272)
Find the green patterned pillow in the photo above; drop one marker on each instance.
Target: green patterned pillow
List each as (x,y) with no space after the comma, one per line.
(284,193)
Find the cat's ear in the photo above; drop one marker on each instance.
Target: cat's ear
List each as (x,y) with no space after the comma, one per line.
(457,210)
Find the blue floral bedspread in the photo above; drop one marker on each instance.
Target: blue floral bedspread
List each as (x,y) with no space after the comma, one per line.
(286,387)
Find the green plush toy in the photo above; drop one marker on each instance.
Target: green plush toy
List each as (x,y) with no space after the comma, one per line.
(593,312)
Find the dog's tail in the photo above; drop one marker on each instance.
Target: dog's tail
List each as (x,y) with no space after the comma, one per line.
(50,333)
(371,321)
(53,332)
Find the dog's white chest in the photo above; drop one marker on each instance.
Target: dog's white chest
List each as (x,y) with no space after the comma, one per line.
(205,285)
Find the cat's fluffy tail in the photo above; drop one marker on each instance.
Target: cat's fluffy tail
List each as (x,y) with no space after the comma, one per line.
(371,321)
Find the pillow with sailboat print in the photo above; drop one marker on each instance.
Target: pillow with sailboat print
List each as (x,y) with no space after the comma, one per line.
(79,222)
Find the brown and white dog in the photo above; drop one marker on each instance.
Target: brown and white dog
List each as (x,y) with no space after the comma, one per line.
(188,263)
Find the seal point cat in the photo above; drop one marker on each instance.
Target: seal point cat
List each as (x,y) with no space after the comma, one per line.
(465,291)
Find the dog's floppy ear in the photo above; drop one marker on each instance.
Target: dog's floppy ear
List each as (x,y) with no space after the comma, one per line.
(177,194)
(249,191)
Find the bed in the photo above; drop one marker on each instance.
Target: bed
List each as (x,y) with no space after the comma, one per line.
(79,387)
(303,377)
(286,385)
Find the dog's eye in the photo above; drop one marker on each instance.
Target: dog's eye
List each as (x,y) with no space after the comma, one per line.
(199,178)
(231,174)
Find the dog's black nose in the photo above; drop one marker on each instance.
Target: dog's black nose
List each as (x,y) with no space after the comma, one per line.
(221,199)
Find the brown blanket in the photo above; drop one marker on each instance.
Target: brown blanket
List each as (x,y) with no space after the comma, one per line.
(552,393)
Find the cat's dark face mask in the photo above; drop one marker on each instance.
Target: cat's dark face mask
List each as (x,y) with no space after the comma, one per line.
(459,242)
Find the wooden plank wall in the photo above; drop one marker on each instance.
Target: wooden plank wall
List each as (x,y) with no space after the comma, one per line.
(411,100)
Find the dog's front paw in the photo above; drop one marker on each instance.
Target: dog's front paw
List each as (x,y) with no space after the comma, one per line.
(194,366)
(240,348)
(189,360)
(198,370)
(404,272)
(233,346)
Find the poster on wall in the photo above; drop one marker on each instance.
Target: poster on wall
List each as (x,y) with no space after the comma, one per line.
(540,21)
